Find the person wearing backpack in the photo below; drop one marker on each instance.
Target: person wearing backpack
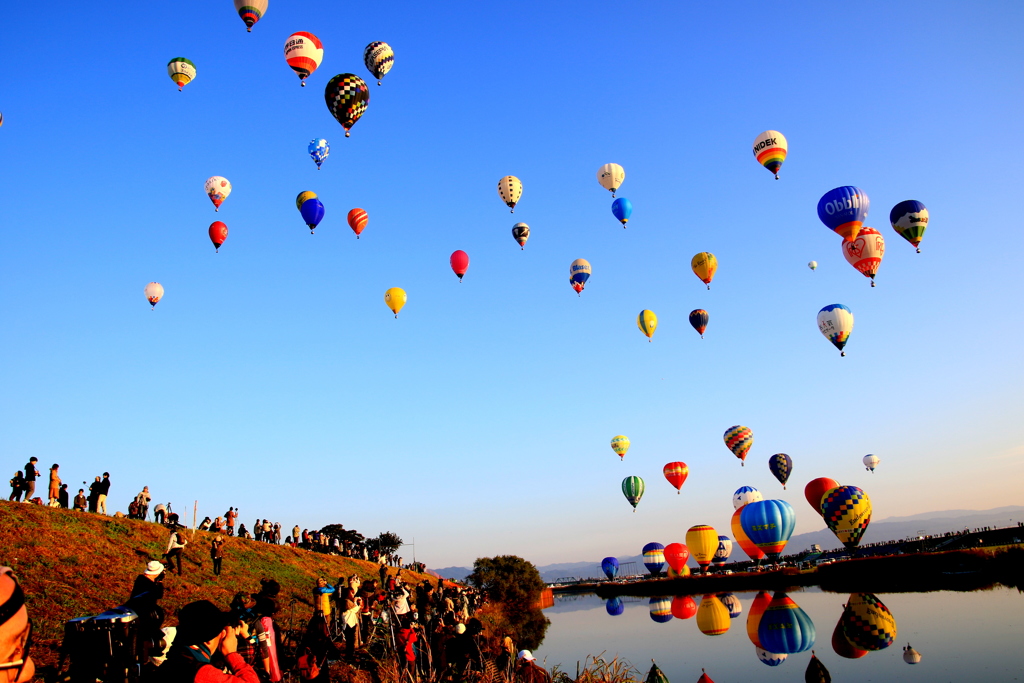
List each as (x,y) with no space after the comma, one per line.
(17,486)
(175,549)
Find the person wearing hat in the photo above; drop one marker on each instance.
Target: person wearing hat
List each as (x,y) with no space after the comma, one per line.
(527,669)
(15,631)
(203,633)
(147,590)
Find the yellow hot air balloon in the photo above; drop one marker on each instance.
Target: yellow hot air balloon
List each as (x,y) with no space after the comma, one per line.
(510,190)
(647,322)
(395,298)
(712,615)
(702,540)
(182,71)
(620,444)
(704,266)
(303,196)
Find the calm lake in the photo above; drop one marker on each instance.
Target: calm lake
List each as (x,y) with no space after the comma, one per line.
(977,636)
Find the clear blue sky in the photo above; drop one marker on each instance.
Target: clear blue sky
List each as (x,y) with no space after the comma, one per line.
(273,378)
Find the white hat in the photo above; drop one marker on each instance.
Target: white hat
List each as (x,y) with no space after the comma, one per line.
(460,628)
(526,654)
(154,567)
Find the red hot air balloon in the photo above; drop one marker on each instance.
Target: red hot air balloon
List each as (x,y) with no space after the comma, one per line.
(676,554)
(218,234)
(683,606)
(460,262)
(817,488)
(357,220)
(704,678)
(676,473)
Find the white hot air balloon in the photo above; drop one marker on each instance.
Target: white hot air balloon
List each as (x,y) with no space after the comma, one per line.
(611,176)
(217,189)
(910,655)
(836,322)
(871,462)
(510,190)
(865,252)
(813,265)
(154,292)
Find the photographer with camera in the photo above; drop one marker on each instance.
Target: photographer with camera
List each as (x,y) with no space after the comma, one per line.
(206,645)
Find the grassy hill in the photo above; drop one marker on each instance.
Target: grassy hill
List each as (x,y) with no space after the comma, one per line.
(73,564)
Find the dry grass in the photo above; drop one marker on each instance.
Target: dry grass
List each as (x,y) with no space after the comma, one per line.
(596,669)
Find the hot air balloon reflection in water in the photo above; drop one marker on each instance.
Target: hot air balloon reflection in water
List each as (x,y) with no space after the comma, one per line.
(712,616)
(676,474)
(770,658)
(847,512)
(633,490)
(910,220)
(910,655)
(785,628)
(739,439)
(867,622)
(610,567)
(732,603)
(781,466)
(655,675)
(835,321)
(154,291)
(816,671)
(614,606)
(757,608)
(704,678)
(842,646)
(661,609)
(684,607)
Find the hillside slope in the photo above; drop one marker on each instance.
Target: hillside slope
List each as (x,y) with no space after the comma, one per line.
(73,564)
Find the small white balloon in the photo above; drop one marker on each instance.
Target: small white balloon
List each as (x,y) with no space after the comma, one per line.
(813,265)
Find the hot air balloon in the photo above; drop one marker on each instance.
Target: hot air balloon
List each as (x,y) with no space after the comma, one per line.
(868,623)
(683,607)
(395,298)
(510,190)
(319,150)
(702,540)
(842,646)
(704,265)
(744,495)
(739,439)
(610,567)
(813,265)
(699,320)
(459,261)
(303,51)
(757,608)
(217,189)
(844,210)
(816,671)
(752,551)
(836,322)
(654,558)
(732,603)
(378,58)
(785,628)
(1,119)
(871,462)
(611,176)
(816,489)
(712,616)
(620,444)
(647,322)
(579,273)
(704,678)
(154,292)
(357,220)
(910,220)
(682,573)
(182,71)
(865,252)
(781,465)
(770,149)
(303,197)
(614,606)
(633,490)
(768,524)
(661,610)
(676,473)
(676,555)
(250,11)
(770,658)
(347,97)
(622,209)
(847,512)
(218,234)
(521,233)
(910,655)
(655,675)
(312,211)
(724,550)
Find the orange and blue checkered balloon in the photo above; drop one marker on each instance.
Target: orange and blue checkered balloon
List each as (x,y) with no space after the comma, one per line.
(781,466)
(739,439)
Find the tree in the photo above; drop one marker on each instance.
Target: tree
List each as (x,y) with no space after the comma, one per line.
(344,535)
(388,542)
(514,586)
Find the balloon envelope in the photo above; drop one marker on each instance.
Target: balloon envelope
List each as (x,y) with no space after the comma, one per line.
(724,550)
(847,512)
(218,234)
(739,439)
(844,210)
(182,71)
(610,567)
(732,603)
(312,213)
(910,655)
(816,489)
(347,97)
(704,265)
(303,197)
(676,555)
(614,606)
(699,320)
(459,261)
(781,465)
(910,220)
(154,291)
(579,273)
(250,11)
(835,321)
(785,628)
(217,189)
(752,551)
(622,209)
(868,623)
(770,658)
(871,461)
(303,51)
(510,190)
(816,671)
(319,149)
(395,298)
(620,444)
(647,322)
(633,490)
(712,616)
(757,608)
(611,177)
(661,610)
(770,148)
(683,607)
(521,233)
(744,495)
(357,220)
(654,558)
(378,58)
(702,540)
(842,646)
(769,525)
(676,474)
(813,265)
(865,252)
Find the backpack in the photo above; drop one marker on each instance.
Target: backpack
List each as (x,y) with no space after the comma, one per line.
(309,669)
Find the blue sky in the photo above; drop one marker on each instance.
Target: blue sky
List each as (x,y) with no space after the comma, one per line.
(273,378)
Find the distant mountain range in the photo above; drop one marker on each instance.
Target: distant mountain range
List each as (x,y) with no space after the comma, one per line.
(891,528)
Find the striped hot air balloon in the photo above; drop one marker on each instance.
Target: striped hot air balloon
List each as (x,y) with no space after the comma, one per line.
(661,609)
(250,11)
(647,322)
(182,71)
(303,51)
(357,220)
(752,551)
(633,490)
(620,444)
(757,608)
(865,252)
(712,616)
(768,524)
(770,148)
(654,558)
(676,474)
(739,439)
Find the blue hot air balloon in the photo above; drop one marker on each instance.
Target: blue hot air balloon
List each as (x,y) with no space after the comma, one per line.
(785,628)
(614,606)
(654,558)
(319,150)
(610,567)
(844,210)
(622,209)
(781,466)
(312,211)
(661,609)
(724,550)
(768,524)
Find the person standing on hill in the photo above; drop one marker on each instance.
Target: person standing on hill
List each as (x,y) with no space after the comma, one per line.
(143,502)
(101,500)
(175,549)
(30,478)
(295,534)
(94,494)
(229,517)
(217,553)
(54,491)
(62,496)
(17,486)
